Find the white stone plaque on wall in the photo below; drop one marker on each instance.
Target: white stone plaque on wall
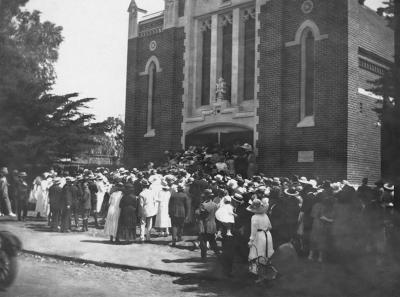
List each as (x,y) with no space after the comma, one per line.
(306,157)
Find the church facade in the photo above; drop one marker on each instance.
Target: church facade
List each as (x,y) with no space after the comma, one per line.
(290,77)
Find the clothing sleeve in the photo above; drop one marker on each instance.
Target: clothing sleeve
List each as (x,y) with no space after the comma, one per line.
(269,226)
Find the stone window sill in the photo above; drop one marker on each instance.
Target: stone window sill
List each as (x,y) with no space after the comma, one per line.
(306,122)
(150,133)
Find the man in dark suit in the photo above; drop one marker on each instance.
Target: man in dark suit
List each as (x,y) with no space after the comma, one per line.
(55,198)
(22,196)
(67,201)
(178,211)
(207,224)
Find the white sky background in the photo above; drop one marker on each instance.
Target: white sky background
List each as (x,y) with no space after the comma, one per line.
(93,55)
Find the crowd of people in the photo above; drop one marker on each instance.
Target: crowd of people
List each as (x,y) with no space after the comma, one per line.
(219,193)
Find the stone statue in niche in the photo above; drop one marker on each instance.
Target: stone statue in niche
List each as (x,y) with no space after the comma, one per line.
(220,90)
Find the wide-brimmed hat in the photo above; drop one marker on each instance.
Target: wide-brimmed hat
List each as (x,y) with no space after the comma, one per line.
(292,192)
(313,183)
(304,180)
(69,179)
(238,198)
(257,207)
(388,187)
(336,188)
(247,147)
(164,185)
(276,181)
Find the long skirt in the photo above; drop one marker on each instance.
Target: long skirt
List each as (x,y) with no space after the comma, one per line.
(42,203)
(127,223)
(112,220)
(262,247)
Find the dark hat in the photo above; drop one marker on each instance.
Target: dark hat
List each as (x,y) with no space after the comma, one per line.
(208,193)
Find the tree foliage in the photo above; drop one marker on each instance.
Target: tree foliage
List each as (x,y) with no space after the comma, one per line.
(44,129)
(111,132)
(36,127)
(388,109)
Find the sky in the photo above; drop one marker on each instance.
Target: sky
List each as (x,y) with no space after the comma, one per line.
(93,56)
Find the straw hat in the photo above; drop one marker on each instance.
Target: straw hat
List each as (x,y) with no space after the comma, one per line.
(291,192)
(388,187)
(336,187)
(257,207)
(303,180)
(247,147)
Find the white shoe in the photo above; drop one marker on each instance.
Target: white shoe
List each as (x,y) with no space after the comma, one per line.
(12,214)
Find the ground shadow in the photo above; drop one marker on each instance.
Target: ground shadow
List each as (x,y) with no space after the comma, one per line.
(39,228)
(107,242)
(188,260)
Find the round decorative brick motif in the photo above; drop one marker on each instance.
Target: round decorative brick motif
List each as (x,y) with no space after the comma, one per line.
(307,6)
(153,45)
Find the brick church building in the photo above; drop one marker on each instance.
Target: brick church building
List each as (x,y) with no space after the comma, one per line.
(293,81)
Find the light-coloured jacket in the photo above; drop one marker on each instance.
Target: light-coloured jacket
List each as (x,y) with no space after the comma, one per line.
(148,203)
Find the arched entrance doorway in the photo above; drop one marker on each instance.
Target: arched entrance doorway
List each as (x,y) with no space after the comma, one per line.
(225,135)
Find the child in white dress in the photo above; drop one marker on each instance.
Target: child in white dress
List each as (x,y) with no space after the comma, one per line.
(226,215)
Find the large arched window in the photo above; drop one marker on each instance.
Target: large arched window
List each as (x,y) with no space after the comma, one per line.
(307,73)
(150,72)
(151,83)
(307,36)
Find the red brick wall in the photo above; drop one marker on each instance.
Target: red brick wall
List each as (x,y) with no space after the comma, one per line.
(270,81)
(167,104)
(280,139)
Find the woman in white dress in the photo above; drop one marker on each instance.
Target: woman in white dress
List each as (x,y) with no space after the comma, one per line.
(41,193)
(163,221)
(111,226)
(260,239)
(101,191)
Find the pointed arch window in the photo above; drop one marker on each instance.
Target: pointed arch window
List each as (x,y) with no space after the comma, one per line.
(307,111)
(227,54)
(308,65)
(249,57)
(151,86)
(206,66)
(150,72)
